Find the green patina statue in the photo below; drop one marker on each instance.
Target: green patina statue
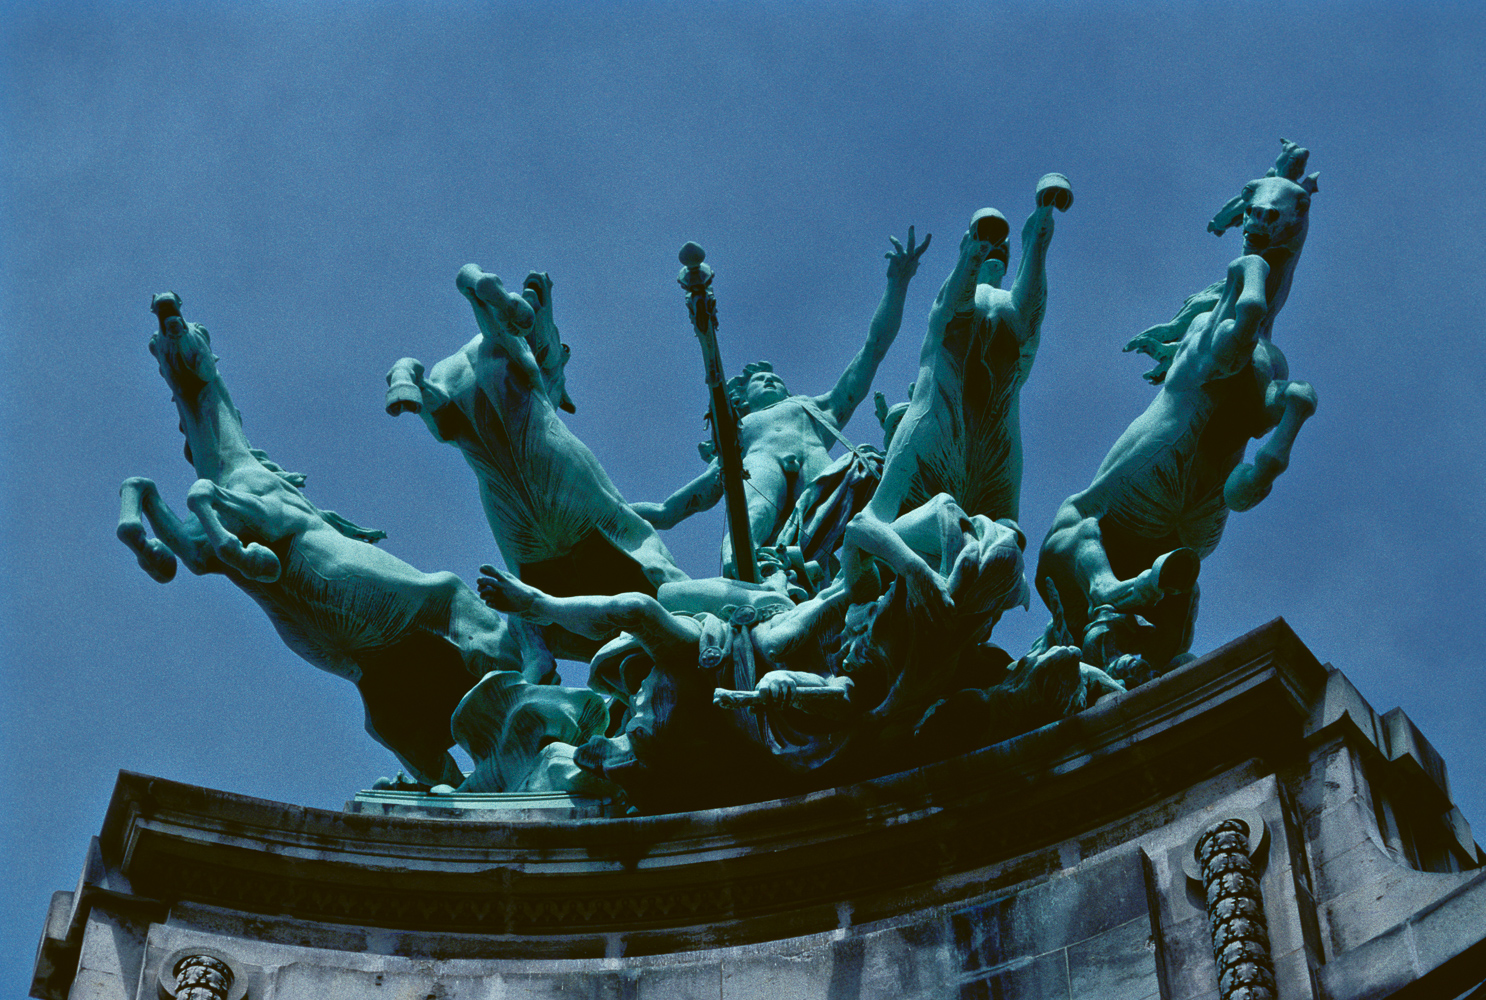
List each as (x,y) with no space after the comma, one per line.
(413,643)
(961,433)
(915,679)
(786,440)
(718,691)
(557,518)
(1119,567)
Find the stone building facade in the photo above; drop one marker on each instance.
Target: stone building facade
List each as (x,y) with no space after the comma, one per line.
(1244,827)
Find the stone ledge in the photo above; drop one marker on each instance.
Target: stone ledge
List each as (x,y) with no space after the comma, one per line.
(723,876)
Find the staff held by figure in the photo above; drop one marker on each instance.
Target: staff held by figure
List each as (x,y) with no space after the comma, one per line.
(696,279)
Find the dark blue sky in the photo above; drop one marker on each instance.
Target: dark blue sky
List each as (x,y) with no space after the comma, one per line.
(309,178)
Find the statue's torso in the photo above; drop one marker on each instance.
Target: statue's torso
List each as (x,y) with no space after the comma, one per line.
(787,432)
(542,489)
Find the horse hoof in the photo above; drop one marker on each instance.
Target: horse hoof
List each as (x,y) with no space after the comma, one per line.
(404,397)
(158,562)
(1177,571)
(1054,190)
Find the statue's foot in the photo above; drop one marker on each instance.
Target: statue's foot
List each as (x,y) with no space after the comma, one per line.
(506,593)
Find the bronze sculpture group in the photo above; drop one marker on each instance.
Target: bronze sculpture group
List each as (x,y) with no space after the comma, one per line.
(851,632)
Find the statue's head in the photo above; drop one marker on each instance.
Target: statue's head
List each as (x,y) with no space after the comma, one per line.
(757,388)
(1275,210)
(183,349)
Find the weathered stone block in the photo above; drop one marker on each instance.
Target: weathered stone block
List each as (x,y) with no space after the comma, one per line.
(1072,907)
(802,976)
(1119,964)
(1041,978)
(699,982)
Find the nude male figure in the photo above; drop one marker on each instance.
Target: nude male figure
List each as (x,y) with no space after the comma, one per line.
(786,440)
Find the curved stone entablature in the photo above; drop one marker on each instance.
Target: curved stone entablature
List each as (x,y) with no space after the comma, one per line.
(1058,863)
(702,877)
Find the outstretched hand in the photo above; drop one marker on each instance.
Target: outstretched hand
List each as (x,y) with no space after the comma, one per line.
(902,263)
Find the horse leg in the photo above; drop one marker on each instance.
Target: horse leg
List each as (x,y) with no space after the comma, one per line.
(154,556)
(1290,404)
(254,561)
(1073,556)
(1172,573)
(174,537)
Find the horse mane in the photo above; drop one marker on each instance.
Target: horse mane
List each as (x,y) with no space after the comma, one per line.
(1161,341)
(296,479)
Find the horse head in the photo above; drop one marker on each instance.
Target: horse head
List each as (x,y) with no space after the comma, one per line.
(1276,214)
(183,349)
(497,311)
(546,343)
(1274,209)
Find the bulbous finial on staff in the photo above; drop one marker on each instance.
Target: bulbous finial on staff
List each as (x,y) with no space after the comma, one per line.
(695,276)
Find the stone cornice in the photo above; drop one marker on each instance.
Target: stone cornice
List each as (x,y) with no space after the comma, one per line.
(726,876)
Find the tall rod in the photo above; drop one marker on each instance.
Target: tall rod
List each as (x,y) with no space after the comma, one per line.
(696,279)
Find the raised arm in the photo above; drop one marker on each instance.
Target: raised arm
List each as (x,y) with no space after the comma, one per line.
(856,381)
(702,493)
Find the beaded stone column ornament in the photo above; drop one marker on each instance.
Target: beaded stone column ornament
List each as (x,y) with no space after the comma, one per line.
(201,977)
(1235,913)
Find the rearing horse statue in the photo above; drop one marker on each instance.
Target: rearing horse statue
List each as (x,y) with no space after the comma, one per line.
(413,643)
(557,518)
(1129,547)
